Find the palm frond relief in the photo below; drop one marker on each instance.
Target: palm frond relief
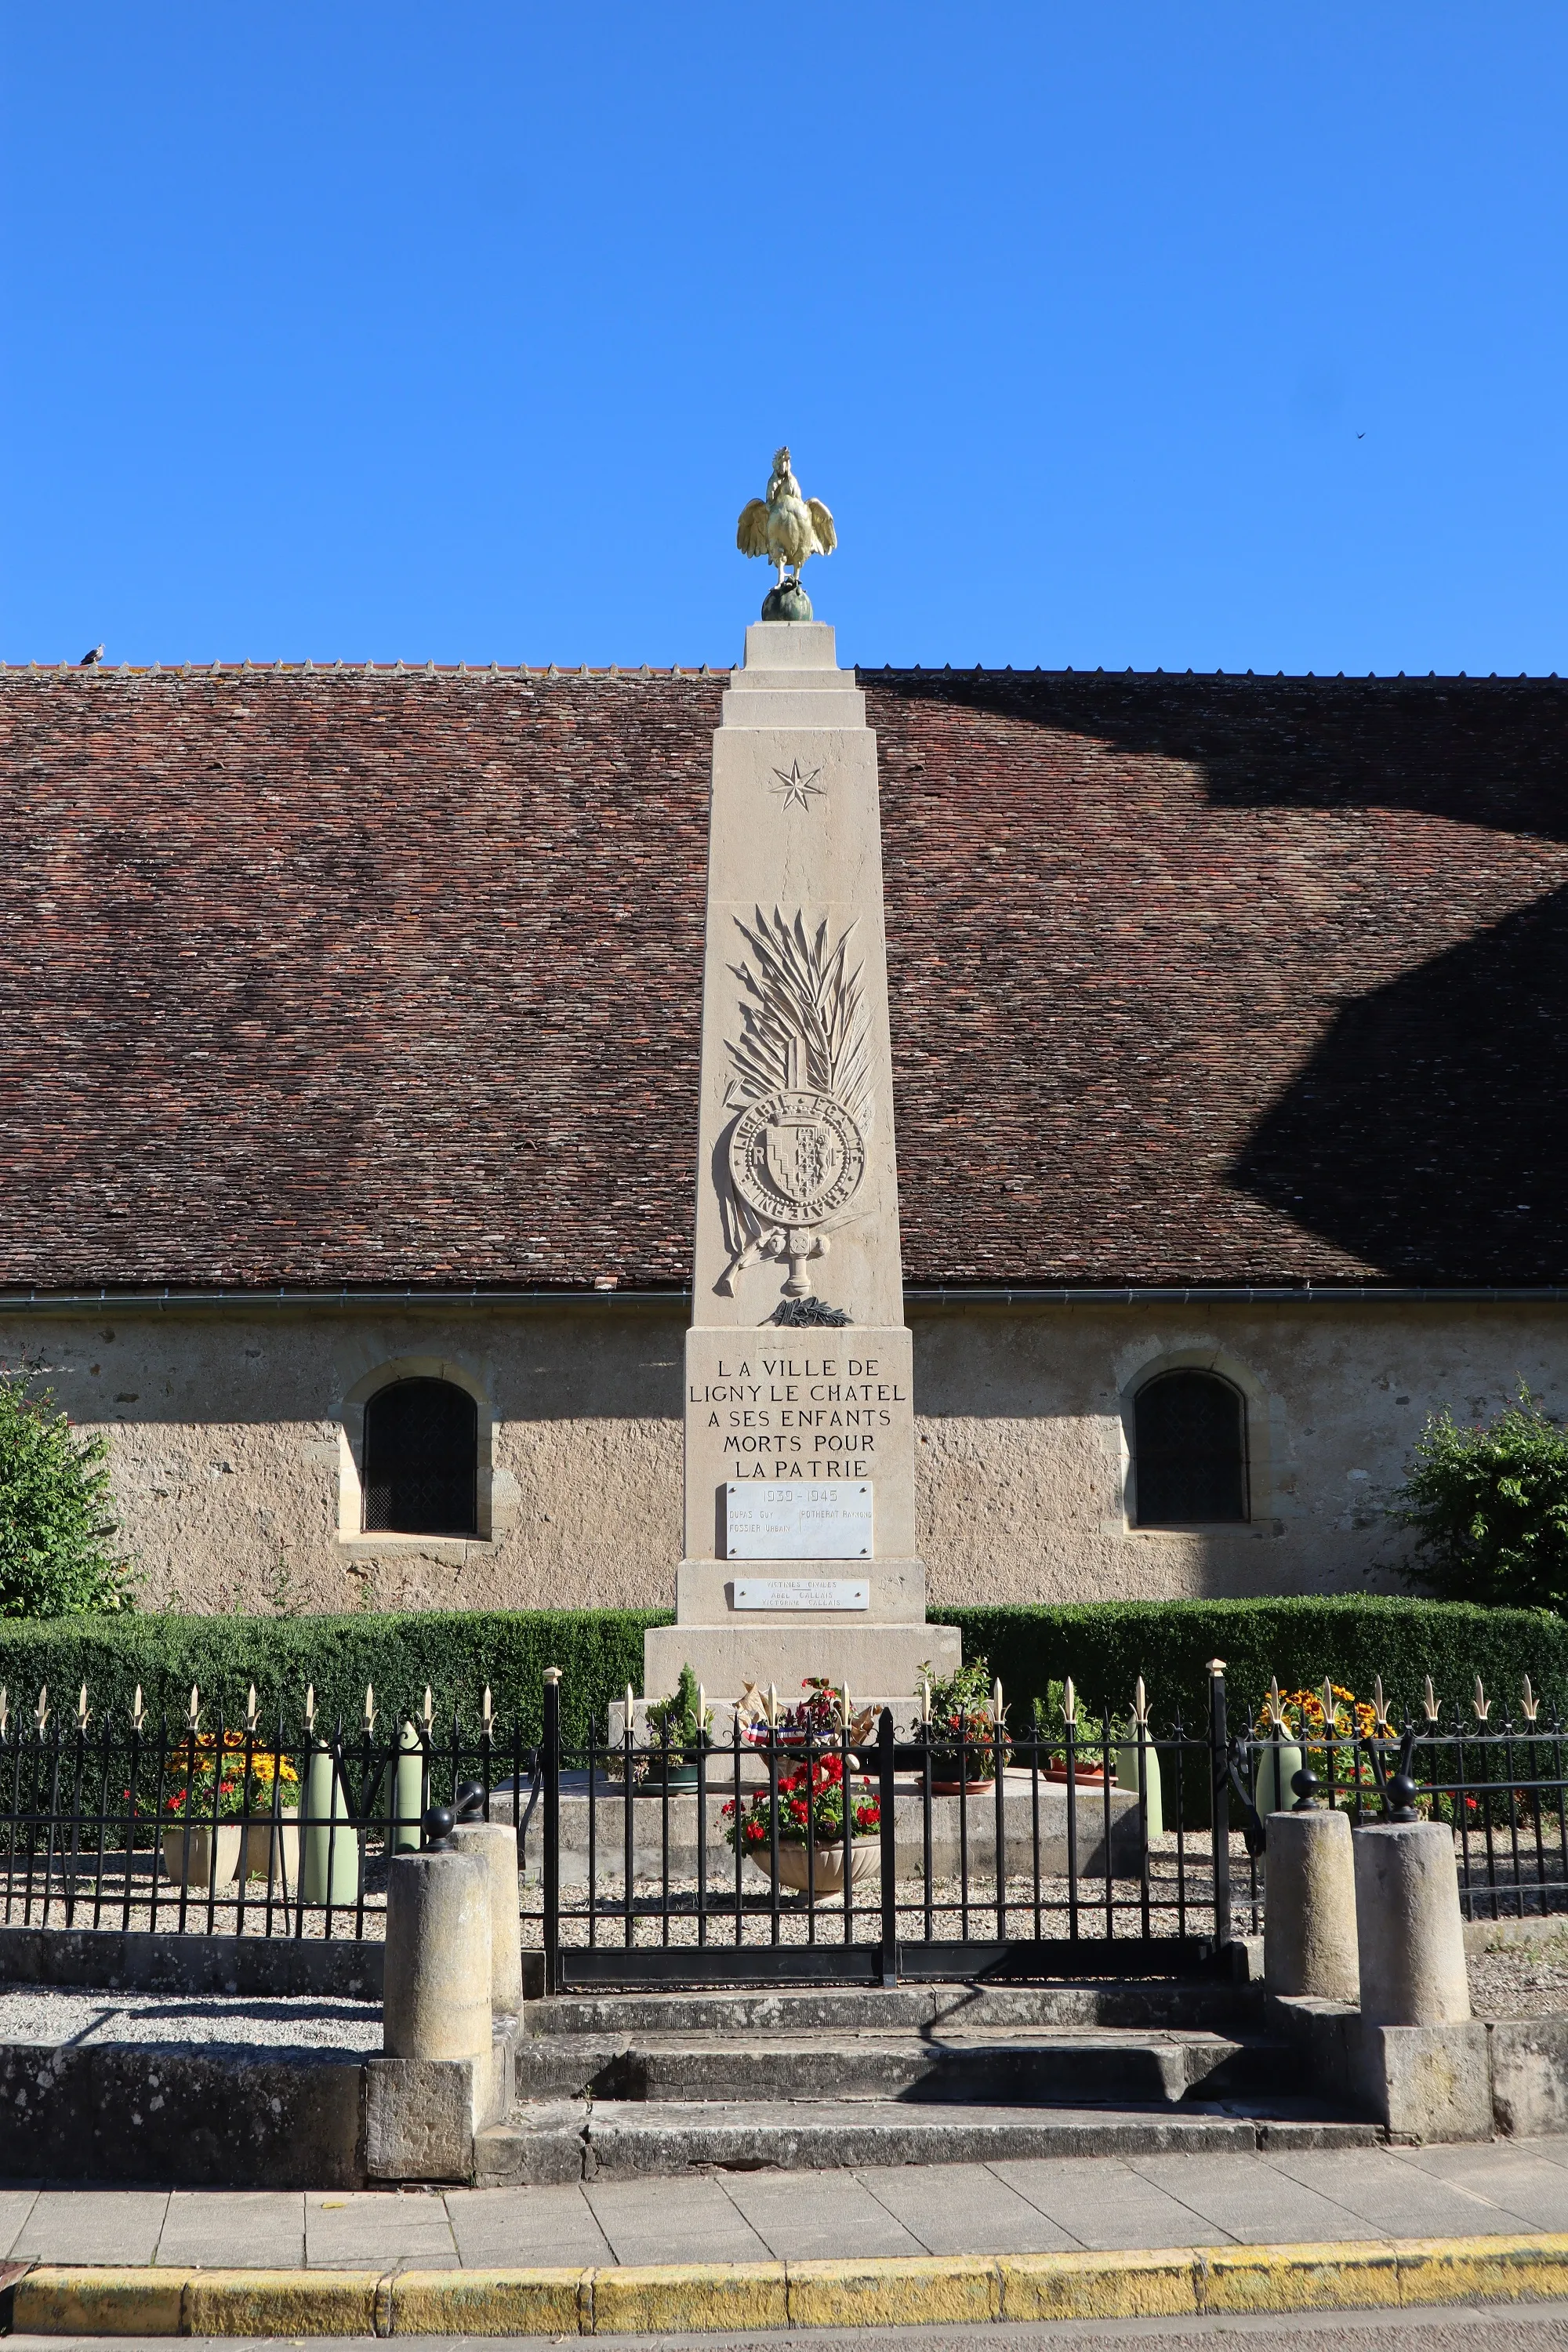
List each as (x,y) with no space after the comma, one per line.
(803,1019)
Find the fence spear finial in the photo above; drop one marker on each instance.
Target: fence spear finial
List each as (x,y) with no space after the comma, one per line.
(41,1711)
(1431,1706)
(1329,1715)
(1379,1711)
(1529,1701)
(1140,1706)
(252,1708)
(195,1707)
(1276,1704)
(5,1711)
(310,1706)
(487,1710)
(429,1708)
(996,1707)
(925,1698)
(81,1708)
(1481,1703)
(773,1706)
(369,1707)
(1070,1702)
(138,1711)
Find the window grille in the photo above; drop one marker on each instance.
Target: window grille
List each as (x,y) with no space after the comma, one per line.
(1189,1451)
(421,1450)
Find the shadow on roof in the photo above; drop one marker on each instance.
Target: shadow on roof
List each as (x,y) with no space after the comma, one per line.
(1429,1131)
(1476,750)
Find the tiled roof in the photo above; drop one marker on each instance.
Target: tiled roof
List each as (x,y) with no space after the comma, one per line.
(346,975)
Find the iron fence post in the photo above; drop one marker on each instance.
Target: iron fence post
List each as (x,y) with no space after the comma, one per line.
(888,1829)
(1219,1774)
(553,1829)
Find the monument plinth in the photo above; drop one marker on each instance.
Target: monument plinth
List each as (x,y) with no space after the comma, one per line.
(800,1443)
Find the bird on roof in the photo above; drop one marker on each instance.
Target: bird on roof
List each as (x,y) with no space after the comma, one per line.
(91,659)
(784,527)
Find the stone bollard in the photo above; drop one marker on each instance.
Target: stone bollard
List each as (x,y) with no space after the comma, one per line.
(1310,1908)
(1408,1929)
(494,1843)
(436,2001)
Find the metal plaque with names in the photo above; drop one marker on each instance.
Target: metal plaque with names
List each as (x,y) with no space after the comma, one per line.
(801,1593)
(768,1521)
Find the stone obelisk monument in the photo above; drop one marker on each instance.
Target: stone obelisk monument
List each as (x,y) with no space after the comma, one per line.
(799,1520)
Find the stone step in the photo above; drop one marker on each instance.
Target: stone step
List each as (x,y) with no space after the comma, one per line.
(614,2139)
(1028,2065)
(1178,2004)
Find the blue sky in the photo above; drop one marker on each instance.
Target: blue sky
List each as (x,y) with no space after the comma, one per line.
(463,332)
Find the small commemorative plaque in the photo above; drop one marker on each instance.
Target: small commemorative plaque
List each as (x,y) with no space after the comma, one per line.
(764,1521)
(801,1593)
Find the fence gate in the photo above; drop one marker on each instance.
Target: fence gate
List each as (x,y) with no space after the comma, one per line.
(814,1849)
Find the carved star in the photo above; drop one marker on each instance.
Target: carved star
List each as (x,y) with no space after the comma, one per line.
(796,791)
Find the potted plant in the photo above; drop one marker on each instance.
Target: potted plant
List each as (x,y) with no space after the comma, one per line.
(810,1813)
(677,1727)
(1050,1716)
(225,1788)
(959,1727)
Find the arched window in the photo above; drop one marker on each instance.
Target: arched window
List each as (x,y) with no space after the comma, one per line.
(1189,1451)
(421,1450)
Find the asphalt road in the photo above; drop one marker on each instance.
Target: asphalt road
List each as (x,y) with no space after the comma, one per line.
(1541,2327)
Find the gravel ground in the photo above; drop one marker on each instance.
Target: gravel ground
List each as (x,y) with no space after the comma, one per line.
(1521,1980)
(253,2029)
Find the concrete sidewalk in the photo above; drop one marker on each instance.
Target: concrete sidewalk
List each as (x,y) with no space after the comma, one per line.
(1041,2205)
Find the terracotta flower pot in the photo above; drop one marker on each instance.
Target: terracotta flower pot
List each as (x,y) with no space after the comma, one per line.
(1085,1775)
(865,1863)
(957,1788)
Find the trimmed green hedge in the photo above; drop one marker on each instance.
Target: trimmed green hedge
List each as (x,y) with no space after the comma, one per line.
(456,1652)
(1104,1646)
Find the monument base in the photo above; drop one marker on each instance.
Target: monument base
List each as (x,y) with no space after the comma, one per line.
(784,1647)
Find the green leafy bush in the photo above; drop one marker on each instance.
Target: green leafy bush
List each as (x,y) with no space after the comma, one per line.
(1489,1509)
(56,1516)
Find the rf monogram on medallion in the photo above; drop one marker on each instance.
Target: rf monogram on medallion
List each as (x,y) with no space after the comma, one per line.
(796,1157)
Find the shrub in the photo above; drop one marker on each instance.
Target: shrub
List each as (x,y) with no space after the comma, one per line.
(1489,1509)
(55,1513)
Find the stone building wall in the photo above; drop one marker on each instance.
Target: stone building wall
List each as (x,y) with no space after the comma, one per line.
(233,1435)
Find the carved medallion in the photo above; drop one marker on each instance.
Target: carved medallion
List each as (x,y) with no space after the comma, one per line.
(796,1157)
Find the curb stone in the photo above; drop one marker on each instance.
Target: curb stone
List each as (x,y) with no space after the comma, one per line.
(938,2289)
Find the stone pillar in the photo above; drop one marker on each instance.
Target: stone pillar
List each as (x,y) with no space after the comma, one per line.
(494,1843)
(799,1416)
(1309,1907)
(436,2003)
(1408,1929)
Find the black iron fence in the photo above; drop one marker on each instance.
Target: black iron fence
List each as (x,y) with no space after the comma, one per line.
(811,1843)
(222,1827)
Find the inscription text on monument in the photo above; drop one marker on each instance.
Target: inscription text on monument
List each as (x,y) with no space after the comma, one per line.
(798,1522)
(800,1592)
